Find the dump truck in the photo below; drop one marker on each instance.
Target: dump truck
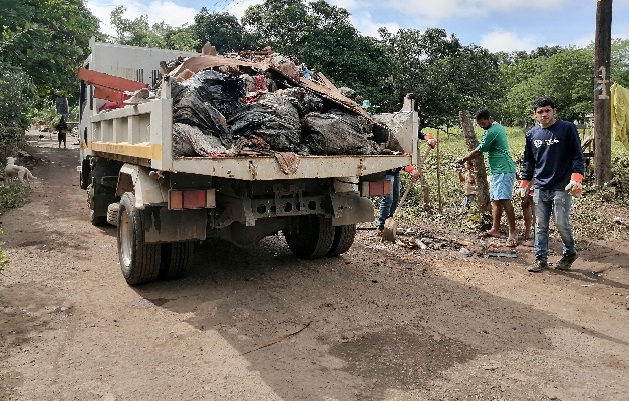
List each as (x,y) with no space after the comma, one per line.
(162,204)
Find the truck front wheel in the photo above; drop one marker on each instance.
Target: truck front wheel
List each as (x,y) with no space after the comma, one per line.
(343,239)
(139,262)
(310,237)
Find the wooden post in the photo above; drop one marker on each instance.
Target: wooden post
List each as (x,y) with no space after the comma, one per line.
(482,185)
(602,102)
(438,178)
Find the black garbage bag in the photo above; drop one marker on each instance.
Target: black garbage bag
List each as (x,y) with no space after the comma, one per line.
(222,91)
(190,109)
(271,117)
(190,141)
(336,134)
(305,101)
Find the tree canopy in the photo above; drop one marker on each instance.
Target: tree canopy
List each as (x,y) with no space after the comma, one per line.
(46,40)
(43,41)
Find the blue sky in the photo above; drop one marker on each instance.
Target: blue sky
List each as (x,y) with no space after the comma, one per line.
(498,25)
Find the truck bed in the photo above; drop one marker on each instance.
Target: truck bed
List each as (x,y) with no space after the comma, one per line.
(142,134)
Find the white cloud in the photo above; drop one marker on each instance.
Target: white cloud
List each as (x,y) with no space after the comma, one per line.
(364,23)
(157,11)
(346,4)
(238,7)
(499,40)
(444,9)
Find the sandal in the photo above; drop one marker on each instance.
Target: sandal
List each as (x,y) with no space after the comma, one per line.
(511,243)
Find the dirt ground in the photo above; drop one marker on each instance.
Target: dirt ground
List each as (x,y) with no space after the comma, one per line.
(382,322)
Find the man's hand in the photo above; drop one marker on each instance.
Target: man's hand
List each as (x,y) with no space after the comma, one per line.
(430,140)
(524,188)
(575,186)
(414,173)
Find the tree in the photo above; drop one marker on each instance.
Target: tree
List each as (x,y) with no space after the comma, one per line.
(47,40)
(446,76)
(565,76)
(17,94)
(136,32)
(620,62)
(281,24)
(222,30)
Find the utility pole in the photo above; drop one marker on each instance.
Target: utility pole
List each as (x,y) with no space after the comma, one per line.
(602,102)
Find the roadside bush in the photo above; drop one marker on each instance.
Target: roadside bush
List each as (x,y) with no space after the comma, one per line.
(12,196)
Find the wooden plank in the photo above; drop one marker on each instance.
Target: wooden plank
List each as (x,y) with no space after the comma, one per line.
(109,81)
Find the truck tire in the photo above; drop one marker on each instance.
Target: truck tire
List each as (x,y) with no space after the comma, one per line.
(139,262)
(93,218)
(311,237)
(343,239)
(84,177)
(176,258)
(97,220)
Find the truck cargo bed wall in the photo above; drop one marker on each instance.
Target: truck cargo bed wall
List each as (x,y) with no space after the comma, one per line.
(139,134)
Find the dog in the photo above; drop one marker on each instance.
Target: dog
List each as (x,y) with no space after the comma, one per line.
(14,172)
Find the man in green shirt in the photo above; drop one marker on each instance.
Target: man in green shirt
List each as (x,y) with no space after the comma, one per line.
(501,173)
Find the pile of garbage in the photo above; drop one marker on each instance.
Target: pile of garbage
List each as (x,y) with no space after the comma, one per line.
(264,102)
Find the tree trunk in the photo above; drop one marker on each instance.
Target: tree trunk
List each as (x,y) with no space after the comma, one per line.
(482,185)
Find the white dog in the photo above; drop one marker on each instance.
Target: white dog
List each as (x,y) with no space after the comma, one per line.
(12,172)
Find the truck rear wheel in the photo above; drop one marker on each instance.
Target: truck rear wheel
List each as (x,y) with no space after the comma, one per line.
(176,258)
(139,262)
(94,217)
(343,239)
(311,237)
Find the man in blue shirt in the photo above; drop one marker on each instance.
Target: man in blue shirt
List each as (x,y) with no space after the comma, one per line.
(554,159)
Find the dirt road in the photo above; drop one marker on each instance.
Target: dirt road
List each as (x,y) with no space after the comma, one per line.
(380,323)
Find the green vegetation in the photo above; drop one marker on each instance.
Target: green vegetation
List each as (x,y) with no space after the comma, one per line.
(12,196)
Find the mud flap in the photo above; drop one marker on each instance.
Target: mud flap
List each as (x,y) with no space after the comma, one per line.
(350,208)
(163,225)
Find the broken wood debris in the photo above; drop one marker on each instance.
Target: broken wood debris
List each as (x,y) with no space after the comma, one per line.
(277,340)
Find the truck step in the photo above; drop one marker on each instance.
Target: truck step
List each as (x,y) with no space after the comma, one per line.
(112,213)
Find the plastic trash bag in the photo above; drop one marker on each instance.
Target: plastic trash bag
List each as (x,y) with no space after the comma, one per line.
(191,141)
(336,134)
(273,118)
(190,109)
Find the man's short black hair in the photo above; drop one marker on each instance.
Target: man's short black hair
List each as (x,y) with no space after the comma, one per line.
(483,114)
(543,102)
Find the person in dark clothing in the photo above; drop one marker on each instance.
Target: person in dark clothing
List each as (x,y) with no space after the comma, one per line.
(389,203)
(62,129)
(554,159)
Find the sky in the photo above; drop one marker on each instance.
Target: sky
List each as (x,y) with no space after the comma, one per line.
(497,25)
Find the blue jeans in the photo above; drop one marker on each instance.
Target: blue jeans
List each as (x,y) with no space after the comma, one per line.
(389,203)
(558,203)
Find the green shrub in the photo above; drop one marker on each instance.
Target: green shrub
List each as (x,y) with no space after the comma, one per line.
(12,196)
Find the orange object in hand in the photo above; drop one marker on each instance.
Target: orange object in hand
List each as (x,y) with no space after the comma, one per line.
(430,140)
(575,186)
(412,171)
